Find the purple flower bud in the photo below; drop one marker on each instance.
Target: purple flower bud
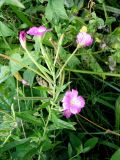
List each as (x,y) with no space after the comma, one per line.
(38,31)
(84,39)
(72,103)
(24,82)
(22,39)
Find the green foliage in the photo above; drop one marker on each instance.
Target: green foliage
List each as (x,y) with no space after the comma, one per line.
(55,10)
(33,81)
(60,124)
(116,155)
(4,73)
(90,144)
(117,114)
(27,116)
(13,2)
(22,16)
(5,31)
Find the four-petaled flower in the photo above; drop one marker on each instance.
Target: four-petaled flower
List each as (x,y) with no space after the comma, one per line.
(72,103)
(38,31)
(84,39)
(22,39)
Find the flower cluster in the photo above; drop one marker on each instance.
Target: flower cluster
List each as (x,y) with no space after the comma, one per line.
(72,103)
(83,39)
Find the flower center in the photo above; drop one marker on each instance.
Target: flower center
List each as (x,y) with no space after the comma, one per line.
(72,102)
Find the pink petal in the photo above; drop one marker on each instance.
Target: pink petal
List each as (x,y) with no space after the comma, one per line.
(33,31)
(74,93)
(67,113)
(75,109)
(81,101)
(38,31)
(66,105)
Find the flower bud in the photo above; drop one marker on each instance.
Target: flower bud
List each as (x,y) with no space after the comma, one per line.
(24,82)
(22,39)
(84,39)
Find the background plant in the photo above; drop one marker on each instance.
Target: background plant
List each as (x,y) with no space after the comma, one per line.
(94,71)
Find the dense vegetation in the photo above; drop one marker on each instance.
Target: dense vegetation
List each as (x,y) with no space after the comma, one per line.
(36,73)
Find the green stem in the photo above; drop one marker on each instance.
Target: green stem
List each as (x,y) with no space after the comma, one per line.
(92,72)
(44,132)
(19,109)
(58,49)
(40,67)
(105,12)
(67,61)
(45,56)
(48,118)
(30,98)
(23,65)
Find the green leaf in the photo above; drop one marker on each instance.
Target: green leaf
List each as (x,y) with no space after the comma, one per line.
(60,124)
(6,126)
(114,39)
(15,3)
(10,145)
(109,144)
(4,73)
(73,63)
(48,12)
(69,3)
(116,155)
(110,20)
(116,32)
(2,2)
(47,144)
(29,76)
(47,37)
(43,105)
(69,150)
(55,9)
(108,8)
(25,151)
(91,62)
(117,114)
(104,102)
(94,65)
(90,144)
(5,31)
(22,16)
(15,66)
(61,88)
(75,141)
(29,117)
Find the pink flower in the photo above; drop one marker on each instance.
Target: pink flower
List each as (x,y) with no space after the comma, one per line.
(38,31)
(84,39)
(72,103)
(22,39)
